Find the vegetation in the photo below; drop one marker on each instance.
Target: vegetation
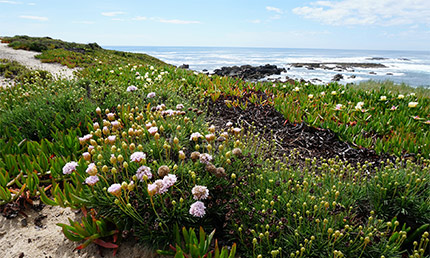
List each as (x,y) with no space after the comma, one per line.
(129,141)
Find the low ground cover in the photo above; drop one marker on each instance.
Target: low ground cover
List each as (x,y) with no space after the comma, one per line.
(148,149)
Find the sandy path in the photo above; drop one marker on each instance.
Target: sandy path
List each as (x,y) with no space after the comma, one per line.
(30,241)
(27,58)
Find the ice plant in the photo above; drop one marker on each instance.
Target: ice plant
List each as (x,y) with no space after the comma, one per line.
(200,192)
(91,180)
(115,189)
(137,156)
(197,209)
(143,171)
(70,167)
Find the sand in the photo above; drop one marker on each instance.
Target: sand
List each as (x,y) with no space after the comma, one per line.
(18,240)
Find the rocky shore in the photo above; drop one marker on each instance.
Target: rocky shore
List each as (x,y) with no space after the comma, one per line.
(248,72)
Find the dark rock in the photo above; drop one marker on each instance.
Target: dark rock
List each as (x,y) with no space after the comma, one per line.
(204,70)
(337,77)
(404,59)
(341,66)
(352,77)
(184,66)
(24,222)
(372,73)
(248,72)
(389,73)
(376,58)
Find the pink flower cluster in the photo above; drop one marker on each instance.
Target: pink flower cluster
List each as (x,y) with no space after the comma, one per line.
(84,139)
(131,88)
(205,158)
(200,192)
(91,180)
(137,156)
(70,167)
(150,95)
(161,186)
(197,209)
(143,171)
(195,136)
(115,189)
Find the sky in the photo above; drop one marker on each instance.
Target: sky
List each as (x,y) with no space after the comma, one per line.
(341,24)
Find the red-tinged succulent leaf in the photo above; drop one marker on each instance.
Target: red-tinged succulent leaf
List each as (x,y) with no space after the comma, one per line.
(105,244)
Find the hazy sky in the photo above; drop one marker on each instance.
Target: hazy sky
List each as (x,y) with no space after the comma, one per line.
(342,24)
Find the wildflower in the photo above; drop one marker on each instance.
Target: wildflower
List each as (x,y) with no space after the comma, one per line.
(181,155)
(197,209)
(229,124)
(427,122)
(205,158)
(91,169)
(195,155)
(70,167)
(160,107)
(115,124)
(111,139)
(359,106)
(169,180)
(195,136)
(110,116)
(84,139)
(179,107)
(401,96)
(143,171)
(393,108)
(157,187)
(96,126)
(163,170)
(417,118)
(210,137)
(98,111)
(237,152)
(236,130)
(91,180)
(150,95)
(115,189)
(338,107)
(137,156)
(383,98)
(412,104)
(334,93)
(200,192)
(169,112)
(105,130)
(87,156)
(310,96)
(322,93)
(152,130)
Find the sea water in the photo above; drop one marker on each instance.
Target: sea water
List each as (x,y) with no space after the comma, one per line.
(410,67)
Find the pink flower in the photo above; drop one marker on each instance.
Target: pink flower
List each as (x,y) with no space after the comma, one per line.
(137,156)
(169,180)
(111,139)
(115,124)
(417,118)
(110,116)
(115,189)
(143,171)
(87,156)
(205,158)
(91,180)
(427,122)
(197,209)
(157,187)
(160,107)
(338,107)
(200,192)
(195,136)
(70,167)
(92,169)
(179,107)
(393,108)
(151,95)
(131,88)
(153,130)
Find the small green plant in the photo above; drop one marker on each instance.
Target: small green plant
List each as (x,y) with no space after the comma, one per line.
(191,246)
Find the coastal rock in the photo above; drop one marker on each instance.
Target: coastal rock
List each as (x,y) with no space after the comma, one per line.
(184,66)
(248,72)
(338,67)
(372,73)
(337,77)
(377,58)
(389,73)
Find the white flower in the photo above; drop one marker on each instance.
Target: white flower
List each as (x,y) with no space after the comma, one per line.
(200,192)
(153,130)
(70,167)
(310,96)
(359,106)
(401,96)
(338,107)
(179,106)
(334,93)
(296,89)
(151,95)
(383,98)
(412,104)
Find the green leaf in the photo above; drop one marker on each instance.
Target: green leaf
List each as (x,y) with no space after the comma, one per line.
(45,198)
(5,195)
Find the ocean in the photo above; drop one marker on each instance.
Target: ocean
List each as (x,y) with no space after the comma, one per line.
(409,67)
